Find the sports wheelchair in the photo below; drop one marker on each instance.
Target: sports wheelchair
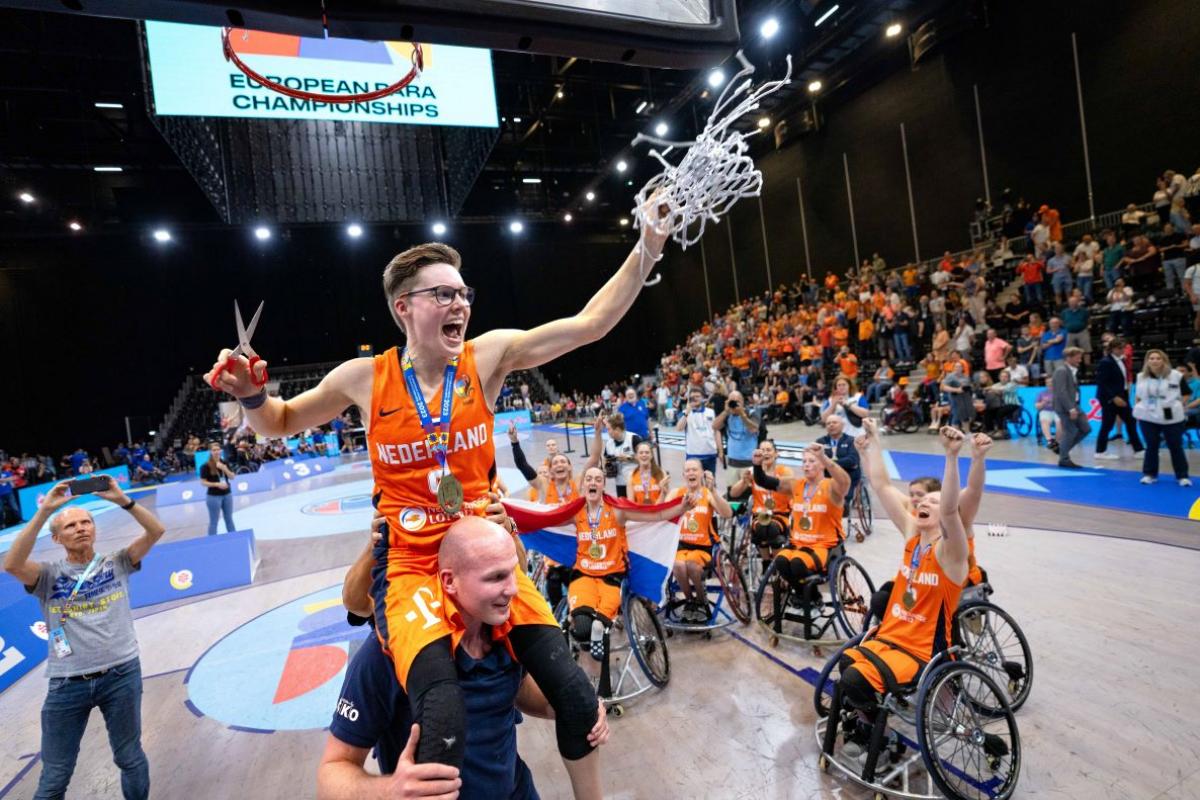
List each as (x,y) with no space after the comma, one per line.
(949,733)
(722,582)
(847,607)
(988,637)
(862,518)
(637,631)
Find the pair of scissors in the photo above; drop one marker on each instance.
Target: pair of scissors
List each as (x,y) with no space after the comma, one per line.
(243,347)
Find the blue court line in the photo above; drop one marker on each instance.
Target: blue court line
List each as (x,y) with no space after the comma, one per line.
(190,706)
(244,729)
(8,787)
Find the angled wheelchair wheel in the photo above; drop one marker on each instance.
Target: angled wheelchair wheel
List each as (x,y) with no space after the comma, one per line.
(1023,422)
(851,588)
(769,586)
(647,639)
(992,641)
(736,594)
(969,755)
(861,515)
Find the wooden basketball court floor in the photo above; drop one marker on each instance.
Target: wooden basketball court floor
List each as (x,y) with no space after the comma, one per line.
(1109,617)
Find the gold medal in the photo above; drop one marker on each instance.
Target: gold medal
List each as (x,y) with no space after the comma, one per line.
(692,525)
(806,523)
(909,599)
(770,503)
(596,552)
(450,494)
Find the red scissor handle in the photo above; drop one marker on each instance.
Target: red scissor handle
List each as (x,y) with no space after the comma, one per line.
(257,384)
(225,365)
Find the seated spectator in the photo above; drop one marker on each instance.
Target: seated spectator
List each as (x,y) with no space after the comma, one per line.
(1000,402)
(898,401)
(1045,413)
(1120,308)
(1017,371)
(881,382)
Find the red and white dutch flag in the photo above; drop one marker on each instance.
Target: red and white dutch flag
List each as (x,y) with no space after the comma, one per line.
(550,530)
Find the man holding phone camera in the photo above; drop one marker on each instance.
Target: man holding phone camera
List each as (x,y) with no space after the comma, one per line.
(93,661)
(739,426)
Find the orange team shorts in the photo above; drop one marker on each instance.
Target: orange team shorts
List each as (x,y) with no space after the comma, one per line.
(902,665)
(416,613)
(701,557)
(595,593)
(822,553)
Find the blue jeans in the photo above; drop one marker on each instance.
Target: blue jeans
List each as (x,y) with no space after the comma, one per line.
(1110,277)
(708,462)
(1033,292)
(1154,434)
(219,504)
(9,505)
(903,347)
(1173,270)
(1085,286)
(69,703)
(1061,282)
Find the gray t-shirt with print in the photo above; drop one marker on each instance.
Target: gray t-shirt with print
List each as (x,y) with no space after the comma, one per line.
(99,624)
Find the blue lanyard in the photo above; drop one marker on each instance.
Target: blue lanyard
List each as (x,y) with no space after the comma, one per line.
(916,558)
(808,496)
(87,573)
(438,438)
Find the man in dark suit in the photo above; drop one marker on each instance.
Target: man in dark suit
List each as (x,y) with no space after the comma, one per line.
(1073,424)
(1112,391)
(840,448)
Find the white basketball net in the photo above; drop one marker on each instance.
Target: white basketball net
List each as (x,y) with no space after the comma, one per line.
(715,171)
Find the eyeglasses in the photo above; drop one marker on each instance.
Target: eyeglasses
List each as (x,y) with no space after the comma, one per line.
(444,295)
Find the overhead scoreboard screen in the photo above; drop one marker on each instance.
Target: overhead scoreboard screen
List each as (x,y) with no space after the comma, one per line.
(189,76)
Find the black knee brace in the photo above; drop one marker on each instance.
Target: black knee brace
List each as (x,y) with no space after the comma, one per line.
(879,601)
(438,705)
(543,652)
(581,623)
(857,690)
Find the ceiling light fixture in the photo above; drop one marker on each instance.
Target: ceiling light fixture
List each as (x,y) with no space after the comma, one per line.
(162,235)
(764,122)
(515,226)
(262,233)
(769,28)
(716,78)
(660,130)
(893,30)
(354,230)
(826,16)
(624,222)
(75,226)
(531,180)
(26,197)
(815,86)
(517,120)
(439,229)
(108,105)
(106,169)
(622,165)
(641,107)
(567,217)
(590,196)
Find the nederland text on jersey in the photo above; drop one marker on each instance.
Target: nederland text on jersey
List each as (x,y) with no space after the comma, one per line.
(418,451)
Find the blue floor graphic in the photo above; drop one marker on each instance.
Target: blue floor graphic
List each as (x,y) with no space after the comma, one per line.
(1102,488)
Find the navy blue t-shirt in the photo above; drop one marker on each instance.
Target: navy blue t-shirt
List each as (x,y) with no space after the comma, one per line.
(373,711)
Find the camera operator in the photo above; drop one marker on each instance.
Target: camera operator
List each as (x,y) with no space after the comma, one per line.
(93,661)
(740,427)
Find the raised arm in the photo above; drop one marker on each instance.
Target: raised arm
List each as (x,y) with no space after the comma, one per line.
(681,505)
(16,560)
(722,507)
(968,502)
(894,502)
(839,478)
(954,543)
(519,456)
(502,351)
(347,384)
(769,482)
(152,527)
(597,443)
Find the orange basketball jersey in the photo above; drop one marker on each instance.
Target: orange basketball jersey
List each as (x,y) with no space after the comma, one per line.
(925,626)
(406,472)
(778,503)
(696,526)
(824,528)
(645,489)
(554,498)
(607,553)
